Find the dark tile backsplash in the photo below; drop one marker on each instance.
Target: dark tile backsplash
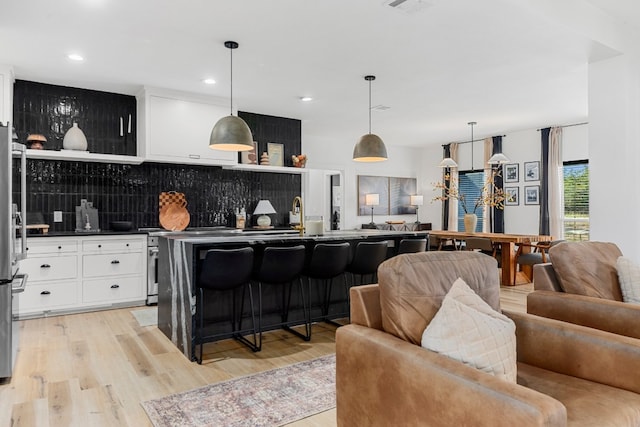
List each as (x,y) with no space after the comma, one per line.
(130,192)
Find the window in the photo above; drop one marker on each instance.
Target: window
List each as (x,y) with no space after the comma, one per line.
(470,184)
(576,200)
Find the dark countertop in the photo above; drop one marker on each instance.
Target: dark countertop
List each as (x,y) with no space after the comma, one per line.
(86,233)
(271,236)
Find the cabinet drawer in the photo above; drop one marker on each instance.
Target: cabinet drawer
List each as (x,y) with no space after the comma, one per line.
(111,264)
(50,268)
(43,245)
(105,290)
(101,246)
(44,296)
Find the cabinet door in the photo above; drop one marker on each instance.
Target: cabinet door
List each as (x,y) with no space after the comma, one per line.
(180,129)
(111,264)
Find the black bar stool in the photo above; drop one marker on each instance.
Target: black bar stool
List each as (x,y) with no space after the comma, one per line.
(366,259)
(408,246)
(328,261)
(282,266)
(226,270)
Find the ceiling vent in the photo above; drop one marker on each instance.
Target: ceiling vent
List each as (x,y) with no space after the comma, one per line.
(408,7)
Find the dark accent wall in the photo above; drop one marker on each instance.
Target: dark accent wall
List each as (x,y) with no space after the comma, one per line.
(130,192)
(51,110)
(266,129)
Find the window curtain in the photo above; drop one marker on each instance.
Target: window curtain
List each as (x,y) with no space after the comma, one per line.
(544,182)
(497,215)
(446,152)
(487,213)
(556,184)
(452,217)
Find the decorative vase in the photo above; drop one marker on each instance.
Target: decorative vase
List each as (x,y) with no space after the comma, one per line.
(74,139)
(264,159)
(470,222)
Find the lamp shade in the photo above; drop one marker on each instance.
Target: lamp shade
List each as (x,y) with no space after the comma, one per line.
(416,200)
(264,207)
(231,133)
(448,162)
(372,199)
(370,148)
(498,159)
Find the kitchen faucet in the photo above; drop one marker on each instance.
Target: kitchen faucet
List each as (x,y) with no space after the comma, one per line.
(297,202)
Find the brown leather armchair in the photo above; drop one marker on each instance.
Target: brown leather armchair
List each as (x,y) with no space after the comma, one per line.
(567,374)
(581,286)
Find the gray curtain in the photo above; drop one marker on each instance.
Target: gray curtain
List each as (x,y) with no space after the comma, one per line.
(544,182)
(497,215)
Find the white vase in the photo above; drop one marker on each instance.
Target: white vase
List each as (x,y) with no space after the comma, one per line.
(74,139)
(470,222)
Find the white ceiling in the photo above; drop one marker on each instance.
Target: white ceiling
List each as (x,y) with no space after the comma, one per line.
(507,64)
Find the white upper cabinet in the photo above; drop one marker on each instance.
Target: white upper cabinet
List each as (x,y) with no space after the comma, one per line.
(176,126)
(6,94)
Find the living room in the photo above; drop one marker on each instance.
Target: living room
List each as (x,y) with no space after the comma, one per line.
(512,67)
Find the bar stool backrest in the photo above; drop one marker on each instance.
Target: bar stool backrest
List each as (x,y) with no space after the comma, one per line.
(329,260)
(281,264)
(224,269)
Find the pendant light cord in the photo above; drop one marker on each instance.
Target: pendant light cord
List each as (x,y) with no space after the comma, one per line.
(369,106)
(231,101)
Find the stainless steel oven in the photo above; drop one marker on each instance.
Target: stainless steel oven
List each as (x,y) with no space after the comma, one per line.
(152,270)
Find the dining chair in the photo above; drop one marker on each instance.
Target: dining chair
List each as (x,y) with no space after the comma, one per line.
(539,254)
(483,245)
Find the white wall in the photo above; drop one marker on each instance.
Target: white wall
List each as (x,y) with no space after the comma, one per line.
(336,155)
(614,145)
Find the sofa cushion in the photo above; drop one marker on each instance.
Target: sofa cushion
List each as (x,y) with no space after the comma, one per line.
(468,330)
(629,277)
(589,404)
(412,287)
(587,268)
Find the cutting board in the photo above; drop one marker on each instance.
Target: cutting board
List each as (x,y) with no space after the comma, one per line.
(173,213)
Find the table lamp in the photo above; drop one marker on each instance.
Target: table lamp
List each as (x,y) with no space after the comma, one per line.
(263,209)
(416,201)
(372,200)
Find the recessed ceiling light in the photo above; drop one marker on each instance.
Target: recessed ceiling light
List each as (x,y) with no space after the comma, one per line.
(306,98)
(209,81)
(75,57)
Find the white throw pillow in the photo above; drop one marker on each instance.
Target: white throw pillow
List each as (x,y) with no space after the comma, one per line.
(467,329)
(629,278)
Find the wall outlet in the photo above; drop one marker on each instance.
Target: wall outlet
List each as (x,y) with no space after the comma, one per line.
(57,216)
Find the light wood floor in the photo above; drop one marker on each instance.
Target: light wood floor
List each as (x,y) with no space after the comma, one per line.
(94,369)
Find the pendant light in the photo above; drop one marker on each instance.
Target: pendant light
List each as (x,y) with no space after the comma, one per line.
(498,159)
(370,148)
(231,133)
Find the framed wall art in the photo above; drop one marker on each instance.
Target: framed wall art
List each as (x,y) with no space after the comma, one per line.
(373,185)
(400,191)
(511,196)
(532,171)
(532,195)
(276,154)
(511,172)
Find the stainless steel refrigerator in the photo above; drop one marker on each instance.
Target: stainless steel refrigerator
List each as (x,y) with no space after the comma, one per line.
(13,235)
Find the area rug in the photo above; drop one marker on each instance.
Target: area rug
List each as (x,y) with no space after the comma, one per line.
(271,398)
(146,316)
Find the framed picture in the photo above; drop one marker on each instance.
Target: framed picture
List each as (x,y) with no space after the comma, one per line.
(511,172)
(400,191)
(532,171)
(373,185)
(532,195)
(276,154)
(250,157)
(511,196)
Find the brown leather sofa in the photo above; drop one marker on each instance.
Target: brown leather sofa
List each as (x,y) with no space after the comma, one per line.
(581,286)
(567,374)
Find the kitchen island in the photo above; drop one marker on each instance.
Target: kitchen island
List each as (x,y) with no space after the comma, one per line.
(180,257)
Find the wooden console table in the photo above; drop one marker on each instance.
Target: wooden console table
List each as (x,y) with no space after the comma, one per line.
(507,244)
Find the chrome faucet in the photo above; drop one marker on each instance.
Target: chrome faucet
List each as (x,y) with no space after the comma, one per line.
(297,202)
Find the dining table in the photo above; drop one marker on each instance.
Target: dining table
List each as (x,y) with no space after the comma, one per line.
(507,242)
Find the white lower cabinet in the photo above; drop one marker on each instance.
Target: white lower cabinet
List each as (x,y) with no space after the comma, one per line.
(81,273)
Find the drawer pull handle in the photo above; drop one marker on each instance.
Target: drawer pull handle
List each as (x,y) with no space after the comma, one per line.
(59,247)
(115,286)
(45,293)
(45,266)
(99,246)
(127,245)
(115,261)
